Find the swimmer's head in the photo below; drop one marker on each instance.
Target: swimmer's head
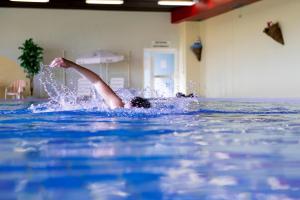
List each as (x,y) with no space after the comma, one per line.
(140,102)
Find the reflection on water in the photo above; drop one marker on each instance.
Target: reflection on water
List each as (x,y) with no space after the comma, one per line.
(180,149)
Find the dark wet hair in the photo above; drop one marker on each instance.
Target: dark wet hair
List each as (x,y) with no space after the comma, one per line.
(140,102)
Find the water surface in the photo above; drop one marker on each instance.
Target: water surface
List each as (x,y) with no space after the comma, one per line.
(180,149)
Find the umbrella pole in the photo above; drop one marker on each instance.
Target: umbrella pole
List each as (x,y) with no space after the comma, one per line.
(128,68)
(106,76)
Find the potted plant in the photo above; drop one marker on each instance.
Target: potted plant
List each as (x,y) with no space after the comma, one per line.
(31,57)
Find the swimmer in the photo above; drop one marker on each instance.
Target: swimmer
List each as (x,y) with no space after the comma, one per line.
(109,96)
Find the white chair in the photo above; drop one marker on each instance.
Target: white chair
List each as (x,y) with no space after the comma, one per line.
(117,83)
(16,89)
(84,88)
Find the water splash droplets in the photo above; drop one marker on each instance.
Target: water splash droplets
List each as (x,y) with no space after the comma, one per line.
(62,98)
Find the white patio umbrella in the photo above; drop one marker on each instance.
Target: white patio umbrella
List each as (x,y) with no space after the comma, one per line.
(100,57)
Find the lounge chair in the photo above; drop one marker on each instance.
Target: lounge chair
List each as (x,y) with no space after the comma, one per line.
(16,89)
(84,88)
(117,83)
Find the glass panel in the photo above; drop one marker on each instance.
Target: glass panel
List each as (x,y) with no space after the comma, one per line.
(163,64)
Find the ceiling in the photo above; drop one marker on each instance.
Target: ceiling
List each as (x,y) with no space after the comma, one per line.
(202,10)
(129,5)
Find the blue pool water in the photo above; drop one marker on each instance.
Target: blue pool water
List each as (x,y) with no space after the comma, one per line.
(179,150)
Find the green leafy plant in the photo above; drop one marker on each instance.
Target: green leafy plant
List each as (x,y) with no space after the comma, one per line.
(31,57)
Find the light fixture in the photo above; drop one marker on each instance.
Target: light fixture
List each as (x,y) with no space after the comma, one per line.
(116,2)
(35,1)
(176,2)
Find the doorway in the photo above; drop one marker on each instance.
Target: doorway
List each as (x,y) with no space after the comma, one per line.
(159,72)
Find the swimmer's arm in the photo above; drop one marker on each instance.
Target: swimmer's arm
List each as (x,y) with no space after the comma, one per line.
(109,96)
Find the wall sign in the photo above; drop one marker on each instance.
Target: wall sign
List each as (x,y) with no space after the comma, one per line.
(160,44)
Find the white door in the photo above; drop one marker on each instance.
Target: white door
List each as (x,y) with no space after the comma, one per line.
(159,72)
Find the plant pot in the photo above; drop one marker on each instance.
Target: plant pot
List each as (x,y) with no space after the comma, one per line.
(31,87)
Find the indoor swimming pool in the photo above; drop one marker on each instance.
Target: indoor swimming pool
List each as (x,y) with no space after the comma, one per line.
(181,149)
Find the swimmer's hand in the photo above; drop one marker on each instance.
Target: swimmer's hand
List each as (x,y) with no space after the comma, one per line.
(61,62)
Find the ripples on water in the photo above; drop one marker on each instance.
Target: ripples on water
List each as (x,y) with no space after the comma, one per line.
(202,150)
(181,149)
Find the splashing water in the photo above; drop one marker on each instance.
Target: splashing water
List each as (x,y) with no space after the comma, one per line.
(62,98)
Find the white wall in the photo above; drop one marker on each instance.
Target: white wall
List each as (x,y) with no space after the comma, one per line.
(241,61)
(79,32)
(191,74)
